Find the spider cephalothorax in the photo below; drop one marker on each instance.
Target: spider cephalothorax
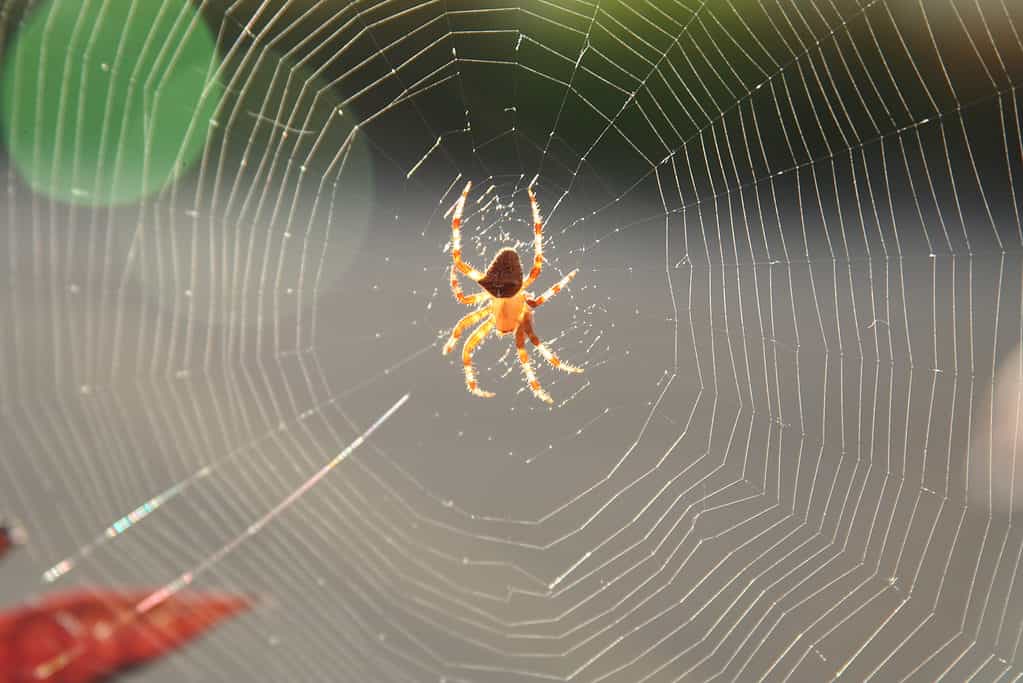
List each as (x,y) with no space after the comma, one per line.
(504,276)
(509,307)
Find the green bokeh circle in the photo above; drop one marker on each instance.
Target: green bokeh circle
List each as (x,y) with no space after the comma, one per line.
(105,102)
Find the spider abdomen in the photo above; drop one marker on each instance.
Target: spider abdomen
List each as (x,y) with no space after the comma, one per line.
(504,275)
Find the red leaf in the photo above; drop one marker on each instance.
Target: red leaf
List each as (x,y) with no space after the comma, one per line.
(87,635)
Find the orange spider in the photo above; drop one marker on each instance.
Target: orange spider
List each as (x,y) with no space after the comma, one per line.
(509,305)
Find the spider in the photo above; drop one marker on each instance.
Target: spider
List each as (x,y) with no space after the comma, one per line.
(509,307)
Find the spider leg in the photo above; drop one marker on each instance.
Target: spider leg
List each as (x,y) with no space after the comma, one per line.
(464,324)
(527,367)
(552,358)
(456,289)
(474,340)
(555,288)
(537,240)
(456,238)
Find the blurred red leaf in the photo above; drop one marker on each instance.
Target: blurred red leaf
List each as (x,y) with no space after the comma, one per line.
(87,635)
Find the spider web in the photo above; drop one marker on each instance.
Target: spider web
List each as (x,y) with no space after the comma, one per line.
(793,453)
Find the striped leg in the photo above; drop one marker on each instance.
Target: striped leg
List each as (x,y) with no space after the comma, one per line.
(456,238)
(537,241)
(527,367)
(464,324)
(474,340)
(555,288)
(456,289)
(551,357)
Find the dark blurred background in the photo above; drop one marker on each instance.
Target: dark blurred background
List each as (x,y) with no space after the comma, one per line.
(793,453)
